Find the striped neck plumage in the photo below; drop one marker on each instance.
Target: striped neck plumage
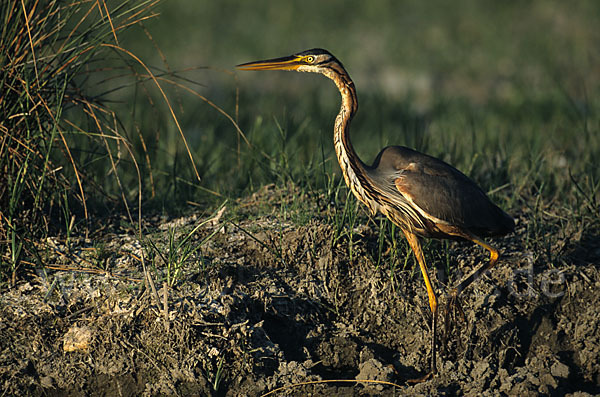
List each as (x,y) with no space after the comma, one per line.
(352,167)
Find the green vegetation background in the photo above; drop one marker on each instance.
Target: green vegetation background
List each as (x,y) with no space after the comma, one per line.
(506,91)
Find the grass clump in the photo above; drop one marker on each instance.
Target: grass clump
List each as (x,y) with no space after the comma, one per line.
(49,51)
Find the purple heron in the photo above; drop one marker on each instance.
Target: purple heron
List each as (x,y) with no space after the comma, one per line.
(422,195)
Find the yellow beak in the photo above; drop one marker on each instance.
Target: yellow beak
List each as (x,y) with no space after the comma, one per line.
(286,63)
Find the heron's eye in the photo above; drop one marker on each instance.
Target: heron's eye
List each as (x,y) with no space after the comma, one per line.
(309,59)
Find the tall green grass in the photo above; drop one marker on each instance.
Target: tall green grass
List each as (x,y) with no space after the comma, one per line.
(61,141)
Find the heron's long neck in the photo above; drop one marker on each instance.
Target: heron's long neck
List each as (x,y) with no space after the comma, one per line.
(352,167)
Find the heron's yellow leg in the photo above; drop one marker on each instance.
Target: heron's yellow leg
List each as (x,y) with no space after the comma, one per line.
(454,304)
(475,274)
(413,241)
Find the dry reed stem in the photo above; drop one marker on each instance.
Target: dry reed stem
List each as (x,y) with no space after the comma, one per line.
(167,102)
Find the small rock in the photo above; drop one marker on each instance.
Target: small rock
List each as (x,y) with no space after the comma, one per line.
(373,369)
(559,370)
(547,381)
(47,382)
(365,354)
(77,338)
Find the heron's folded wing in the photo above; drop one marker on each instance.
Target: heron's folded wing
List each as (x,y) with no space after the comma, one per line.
(449,197)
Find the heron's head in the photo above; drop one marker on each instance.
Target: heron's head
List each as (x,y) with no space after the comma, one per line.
(316,60)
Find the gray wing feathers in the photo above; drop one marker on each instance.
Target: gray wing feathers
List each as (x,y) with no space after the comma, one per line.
(440,191)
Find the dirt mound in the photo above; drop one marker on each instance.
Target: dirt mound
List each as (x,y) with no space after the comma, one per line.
(265,304)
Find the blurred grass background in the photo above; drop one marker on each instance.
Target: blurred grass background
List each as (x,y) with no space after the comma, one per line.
(472,82)
(505,91)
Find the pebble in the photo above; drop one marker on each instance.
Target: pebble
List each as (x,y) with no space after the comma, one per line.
(559,370)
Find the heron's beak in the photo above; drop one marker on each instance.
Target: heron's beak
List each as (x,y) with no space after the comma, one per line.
(286,63)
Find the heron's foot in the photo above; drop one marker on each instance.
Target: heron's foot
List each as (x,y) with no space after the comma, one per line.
(432,372)
(454,306)
(453,312)
(422,379)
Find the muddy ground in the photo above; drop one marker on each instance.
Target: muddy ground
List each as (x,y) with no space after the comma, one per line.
(265,306)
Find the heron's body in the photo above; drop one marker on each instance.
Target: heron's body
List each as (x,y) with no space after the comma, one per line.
(445,202)
(422,195)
